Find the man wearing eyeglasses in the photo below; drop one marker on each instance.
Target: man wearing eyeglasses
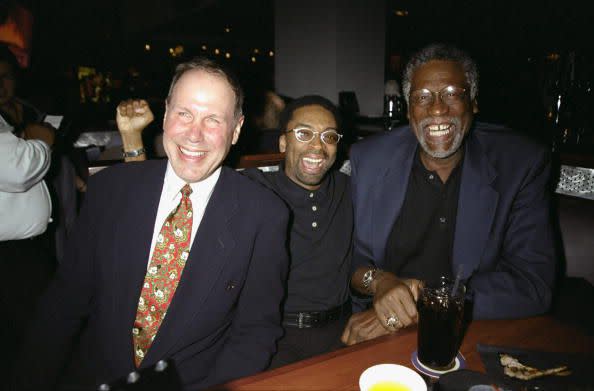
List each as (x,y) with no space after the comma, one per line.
(316,307)
(447,196)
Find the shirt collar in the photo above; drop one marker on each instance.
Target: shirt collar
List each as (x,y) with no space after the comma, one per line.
(420,168)
(5,126)
(172,183)
(297,191)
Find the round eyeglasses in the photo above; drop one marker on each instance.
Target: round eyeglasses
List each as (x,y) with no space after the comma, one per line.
(305,135)
(449,95)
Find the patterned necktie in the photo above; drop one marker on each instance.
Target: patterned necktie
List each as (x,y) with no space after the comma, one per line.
(162,276)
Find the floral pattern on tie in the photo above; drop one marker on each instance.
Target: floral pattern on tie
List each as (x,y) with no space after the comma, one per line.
(165,268)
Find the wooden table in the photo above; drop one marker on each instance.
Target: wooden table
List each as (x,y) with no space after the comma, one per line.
(340,370)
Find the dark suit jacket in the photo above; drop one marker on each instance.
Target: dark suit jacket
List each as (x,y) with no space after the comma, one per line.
(224,318)
(503,236)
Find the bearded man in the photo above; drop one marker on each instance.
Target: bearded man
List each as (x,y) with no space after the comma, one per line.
(447,196)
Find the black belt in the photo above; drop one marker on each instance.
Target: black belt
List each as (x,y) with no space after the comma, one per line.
(309,319)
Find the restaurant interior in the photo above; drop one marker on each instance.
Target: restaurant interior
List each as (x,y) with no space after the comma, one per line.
(80,59)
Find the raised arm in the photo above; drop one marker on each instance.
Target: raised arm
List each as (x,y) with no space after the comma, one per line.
(132,117)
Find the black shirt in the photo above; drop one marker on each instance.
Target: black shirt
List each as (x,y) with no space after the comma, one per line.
(320,240)
(421,242)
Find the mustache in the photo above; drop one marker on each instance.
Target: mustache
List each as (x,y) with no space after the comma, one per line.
(319,154)
(431,121)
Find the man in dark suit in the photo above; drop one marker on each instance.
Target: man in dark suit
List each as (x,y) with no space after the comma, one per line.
(445,196)
(179,259)
(317,305)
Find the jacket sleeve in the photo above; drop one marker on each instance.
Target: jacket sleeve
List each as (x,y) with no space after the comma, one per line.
(24,162)
(360,302)
(521,281)
(256,325)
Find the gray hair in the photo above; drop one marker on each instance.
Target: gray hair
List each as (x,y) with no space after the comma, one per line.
(213,68)
(439,51)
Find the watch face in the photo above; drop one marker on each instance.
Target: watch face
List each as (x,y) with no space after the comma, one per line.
(135,153)
(368,277)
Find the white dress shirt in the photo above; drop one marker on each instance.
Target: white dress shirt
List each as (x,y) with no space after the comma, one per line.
(25,204)
(171,196)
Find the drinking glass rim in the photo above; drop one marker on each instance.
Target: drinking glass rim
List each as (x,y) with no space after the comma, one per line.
(435,287)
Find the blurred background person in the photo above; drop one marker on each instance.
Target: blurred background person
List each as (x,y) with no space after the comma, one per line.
(25,246)
(16,112)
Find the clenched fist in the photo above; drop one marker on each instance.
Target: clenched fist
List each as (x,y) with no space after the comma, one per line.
(133,115)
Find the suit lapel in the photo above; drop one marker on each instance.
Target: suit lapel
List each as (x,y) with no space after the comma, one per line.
(477,204)
(131,255)
(208,255)
(389,192)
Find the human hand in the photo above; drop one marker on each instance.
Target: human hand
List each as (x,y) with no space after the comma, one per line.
(133,115)
(363,326)
(43,132)
(395,297)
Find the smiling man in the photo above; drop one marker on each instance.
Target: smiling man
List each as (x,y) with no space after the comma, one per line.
(179,259)
(444,196)
(320,239)
(316,307)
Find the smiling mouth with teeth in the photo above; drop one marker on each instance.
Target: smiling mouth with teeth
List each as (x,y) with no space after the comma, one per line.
(439,130)
(312,164)
(191,153)
(312,161)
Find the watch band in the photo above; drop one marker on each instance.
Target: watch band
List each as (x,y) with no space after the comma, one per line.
(368,278)
(133,153)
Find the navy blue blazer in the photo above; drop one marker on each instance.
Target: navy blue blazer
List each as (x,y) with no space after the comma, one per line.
(224,318)
(503,236)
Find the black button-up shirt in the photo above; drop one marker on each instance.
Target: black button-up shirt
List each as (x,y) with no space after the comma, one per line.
(320,240)
(421,242)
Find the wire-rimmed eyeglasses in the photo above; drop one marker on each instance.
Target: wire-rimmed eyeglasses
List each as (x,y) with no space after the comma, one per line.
(449,95)
(305,135)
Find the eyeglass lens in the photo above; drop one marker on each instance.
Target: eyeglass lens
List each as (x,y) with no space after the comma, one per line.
(329,136)
(449,95)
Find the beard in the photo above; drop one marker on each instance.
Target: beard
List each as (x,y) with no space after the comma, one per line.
(314,179)
(458,137)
